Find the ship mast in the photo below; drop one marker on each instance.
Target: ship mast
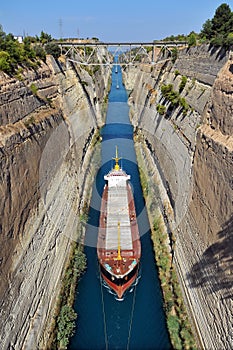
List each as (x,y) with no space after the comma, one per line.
(117,166)
(119,257)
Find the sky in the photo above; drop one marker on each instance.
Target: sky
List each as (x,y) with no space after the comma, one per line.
(115,21)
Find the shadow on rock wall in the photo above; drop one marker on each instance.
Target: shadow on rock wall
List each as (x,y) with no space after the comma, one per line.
(214,270)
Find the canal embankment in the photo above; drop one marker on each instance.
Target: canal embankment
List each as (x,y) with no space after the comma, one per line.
(181,111)
(47,126)
(180,325)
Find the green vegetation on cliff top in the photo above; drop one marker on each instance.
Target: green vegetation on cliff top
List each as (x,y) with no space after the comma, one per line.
(217,31)
(29,53)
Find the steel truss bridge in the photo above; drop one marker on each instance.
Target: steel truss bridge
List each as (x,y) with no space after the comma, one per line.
(110,53)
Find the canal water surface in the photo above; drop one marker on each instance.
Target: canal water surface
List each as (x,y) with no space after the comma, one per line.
(137,322)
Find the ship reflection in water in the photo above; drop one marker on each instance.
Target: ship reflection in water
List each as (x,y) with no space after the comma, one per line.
(118,245)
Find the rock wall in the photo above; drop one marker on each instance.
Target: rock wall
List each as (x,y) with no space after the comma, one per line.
(193,155)
(48,119)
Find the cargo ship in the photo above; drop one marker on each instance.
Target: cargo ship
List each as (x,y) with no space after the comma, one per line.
(118,244)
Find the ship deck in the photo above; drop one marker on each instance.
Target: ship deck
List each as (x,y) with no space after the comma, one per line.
(118,211)
(117,206)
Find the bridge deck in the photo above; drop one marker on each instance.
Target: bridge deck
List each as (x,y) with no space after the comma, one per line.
(153,44)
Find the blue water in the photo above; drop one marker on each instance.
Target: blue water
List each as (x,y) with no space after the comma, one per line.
(138,321)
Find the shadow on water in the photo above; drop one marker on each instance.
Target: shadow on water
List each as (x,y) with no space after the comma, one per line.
(137,322)
(214,270)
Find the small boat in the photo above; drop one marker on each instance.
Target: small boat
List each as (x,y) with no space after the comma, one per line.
(118,244)
(117,85)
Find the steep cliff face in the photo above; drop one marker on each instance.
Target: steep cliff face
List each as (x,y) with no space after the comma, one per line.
(48,120)
(192,152)
(210,213)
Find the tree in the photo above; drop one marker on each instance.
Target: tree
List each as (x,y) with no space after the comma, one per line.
(2,35)
(53,49)
(182,83)
(161,109)
(207,30)
(45,38)
(14,50)
(174,54)
(5,61)
(221,18)
(229,40)
(40,52)
(14,53)
(217,30)
(192,41)
(28,51)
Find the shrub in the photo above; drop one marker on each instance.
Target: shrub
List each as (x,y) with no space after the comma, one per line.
(182,83)
(144,182)
(166,90)
(192,41)
(174,54)
(184,104)
(80,261)
(34,89)
(229,39)
(53,49)
(19,74)
(44,37)
(66,325)
(161,109)
(66,316)
(5,64)
(169,93)
(28,50)
(84,83)
(174,98)
(96,69)
(40,52)
(174,326)
(29,121)
(157,224)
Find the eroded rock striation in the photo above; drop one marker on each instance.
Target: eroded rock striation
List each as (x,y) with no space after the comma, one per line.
(191,149)
(47,122)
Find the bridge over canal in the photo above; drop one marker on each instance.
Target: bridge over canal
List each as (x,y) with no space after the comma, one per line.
(124,53)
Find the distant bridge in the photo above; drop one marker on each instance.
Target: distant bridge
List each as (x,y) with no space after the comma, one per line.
(124,53)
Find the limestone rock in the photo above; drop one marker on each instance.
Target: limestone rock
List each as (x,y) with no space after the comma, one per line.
(194,156)
(47,121)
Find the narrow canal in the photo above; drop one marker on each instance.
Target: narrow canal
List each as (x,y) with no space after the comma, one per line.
(137,322)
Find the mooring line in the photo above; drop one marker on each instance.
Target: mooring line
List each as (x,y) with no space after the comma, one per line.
(131,318)
(104,315)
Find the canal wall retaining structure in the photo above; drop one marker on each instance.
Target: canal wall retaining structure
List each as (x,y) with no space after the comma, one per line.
(48,119)
(192,150)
